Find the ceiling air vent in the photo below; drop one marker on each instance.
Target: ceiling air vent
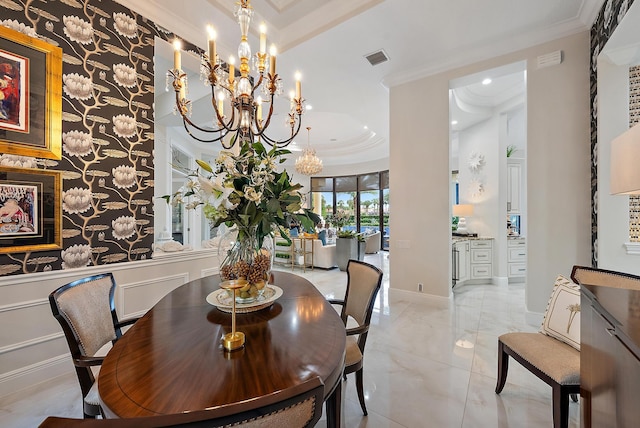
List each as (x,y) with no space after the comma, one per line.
(377,57)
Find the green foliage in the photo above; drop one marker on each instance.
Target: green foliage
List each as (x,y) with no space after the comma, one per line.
(347,234)
(247,191)
(340,219)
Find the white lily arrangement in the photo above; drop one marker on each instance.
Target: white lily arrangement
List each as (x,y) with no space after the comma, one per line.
(245,190)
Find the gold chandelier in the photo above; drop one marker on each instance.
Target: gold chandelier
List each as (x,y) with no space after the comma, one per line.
(237,112)
(308,163)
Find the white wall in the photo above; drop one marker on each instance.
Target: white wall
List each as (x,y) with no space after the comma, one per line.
(481,139)
(557,170)
(613,210)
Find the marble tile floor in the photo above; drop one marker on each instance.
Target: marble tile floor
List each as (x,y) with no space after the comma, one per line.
(429,362)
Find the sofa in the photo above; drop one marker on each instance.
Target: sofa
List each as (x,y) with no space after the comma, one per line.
(324,256)
(373,243)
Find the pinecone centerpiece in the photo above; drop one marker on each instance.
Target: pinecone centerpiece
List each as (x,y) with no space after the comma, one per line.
(245,261)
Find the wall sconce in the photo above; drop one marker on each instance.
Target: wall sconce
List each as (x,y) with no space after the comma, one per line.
(625,163)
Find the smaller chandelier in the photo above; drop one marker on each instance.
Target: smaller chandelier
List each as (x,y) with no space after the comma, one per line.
(308,163)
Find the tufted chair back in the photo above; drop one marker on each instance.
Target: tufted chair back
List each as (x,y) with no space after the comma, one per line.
(363,284)
(86,312)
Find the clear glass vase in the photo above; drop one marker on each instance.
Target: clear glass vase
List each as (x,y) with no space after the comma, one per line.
(245,259)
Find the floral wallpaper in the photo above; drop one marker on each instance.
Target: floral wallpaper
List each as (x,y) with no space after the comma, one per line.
(107,130)
(608,19)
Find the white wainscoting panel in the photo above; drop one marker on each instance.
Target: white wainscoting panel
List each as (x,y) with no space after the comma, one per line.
(136,298)
(32,346)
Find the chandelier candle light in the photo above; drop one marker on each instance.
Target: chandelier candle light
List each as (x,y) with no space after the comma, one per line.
(243,116)
(308,163)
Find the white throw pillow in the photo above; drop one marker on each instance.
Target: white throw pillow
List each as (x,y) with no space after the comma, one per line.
(562,317)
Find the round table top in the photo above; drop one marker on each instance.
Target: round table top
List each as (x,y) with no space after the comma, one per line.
(172,359)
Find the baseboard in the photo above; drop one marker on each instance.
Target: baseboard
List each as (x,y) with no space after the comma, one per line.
(39,372)
(415,294)
(533,318)
(502,281)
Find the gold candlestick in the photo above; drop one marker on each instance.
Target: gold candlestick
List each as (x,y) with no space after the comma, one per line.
(235,339)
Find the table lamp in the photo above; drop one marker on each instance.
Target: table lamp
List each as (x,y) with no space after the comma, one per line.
(461,211)
(625,161)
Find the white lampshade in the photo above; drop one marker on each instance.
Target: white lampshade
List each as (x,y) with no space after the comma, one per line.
(625,163)
(463,210)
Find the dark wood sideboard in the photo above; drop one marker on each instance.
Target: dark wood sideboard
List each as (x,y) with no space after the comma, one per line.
(610,357)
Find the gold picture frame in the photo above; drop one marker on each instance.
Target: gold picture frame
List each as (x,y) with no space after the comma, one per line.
(30,96)
(30,210)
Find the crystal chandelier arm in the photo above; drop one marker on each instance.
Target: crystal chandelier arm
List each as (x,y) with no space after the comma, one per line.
(284,143)
(202,140)
(182,109)
(214,102)
(259,128)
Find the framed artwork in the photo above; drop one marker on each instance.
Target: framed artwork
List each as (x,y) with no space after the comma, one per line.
(30,210)
(30,96)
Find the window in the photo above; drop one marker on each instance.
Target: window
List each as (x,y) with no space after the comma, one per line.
(365,197)
(179,219)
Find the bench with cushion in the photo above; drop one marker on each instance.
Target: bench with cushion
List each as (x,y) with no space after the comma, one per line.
(553,361)
(552,354)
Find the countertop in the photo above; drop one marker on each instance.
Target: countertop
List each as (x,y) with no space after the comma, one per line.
(469,238)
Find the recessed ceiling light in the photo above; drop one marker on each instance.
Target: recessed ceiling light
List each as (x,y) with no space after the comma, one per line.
(366,127)
(309,107)
(454,122)
(486,81)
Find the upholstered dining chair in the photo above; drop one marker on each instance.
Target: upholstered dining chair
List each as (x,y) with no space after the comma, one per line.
(363,284)
(86,312)
(297,407)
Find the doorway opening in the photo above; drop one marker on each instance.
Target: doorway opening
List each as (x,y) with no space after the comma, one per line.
(488,148)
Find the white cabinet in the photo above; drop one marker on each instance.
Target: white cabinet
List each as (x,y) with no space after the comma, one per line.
(460,261)
(514,187)
(473,261)
(517,258)
(481,259)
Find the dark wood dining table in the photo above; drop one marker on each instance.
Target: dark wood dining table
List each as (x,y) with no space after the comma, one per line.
(172,360)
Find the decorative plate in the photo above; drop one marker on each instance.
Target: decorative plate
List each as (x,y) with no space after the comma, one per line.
(221,300)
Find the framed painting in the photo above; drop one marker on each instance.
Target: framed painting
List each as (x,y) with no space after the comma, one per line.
(30,210)
(30,96)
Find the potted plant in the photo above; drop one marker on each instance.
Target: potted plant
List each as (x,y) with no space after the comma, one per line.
(340,219)
(350,245)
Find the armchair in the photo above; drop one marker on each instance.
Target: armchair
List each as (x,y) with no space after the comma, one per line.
(298,407)
(373,243)
(363,284)
(324,256)
(86,312)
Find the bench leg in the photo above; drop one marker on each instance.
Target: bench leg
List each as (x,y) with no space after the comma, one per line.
(503,367)
(560,402)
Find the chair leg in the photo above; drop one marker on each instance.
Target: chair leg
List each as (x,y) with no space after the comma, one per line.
(560,407)
(503,367)
(360,389)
